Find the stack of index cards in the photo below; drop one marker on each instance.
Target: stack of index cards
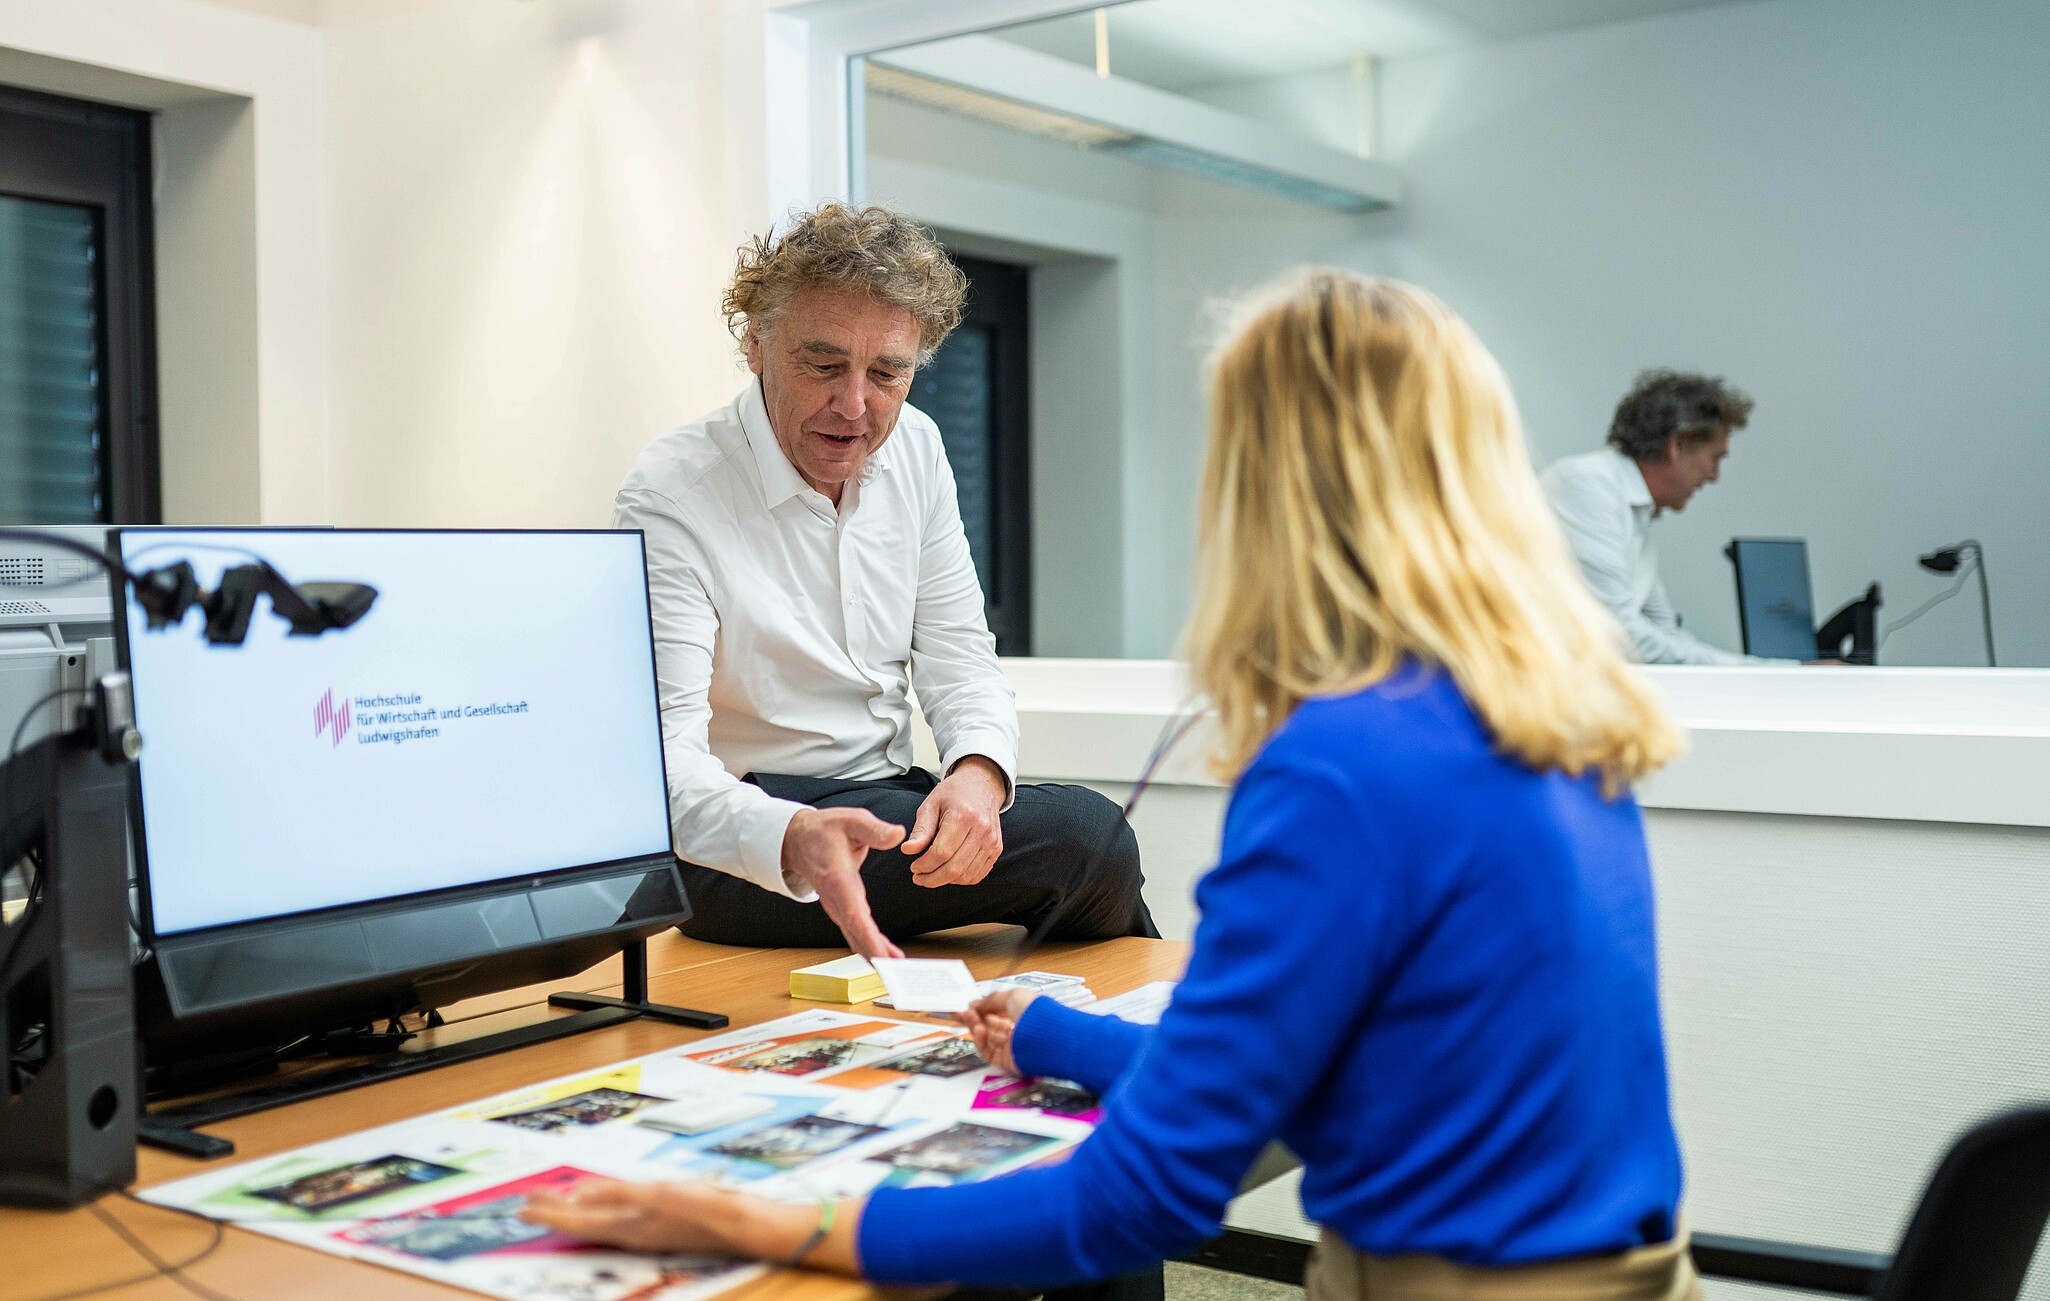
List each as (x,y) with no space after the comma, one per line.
(844,980)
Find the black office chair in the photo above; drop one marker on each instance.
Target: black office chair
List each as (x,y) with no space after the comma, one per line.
(1971,1238)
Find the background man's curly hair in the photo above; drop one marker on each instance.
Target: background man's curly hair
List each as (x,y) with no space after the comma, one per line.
(878,252)
(1667,402)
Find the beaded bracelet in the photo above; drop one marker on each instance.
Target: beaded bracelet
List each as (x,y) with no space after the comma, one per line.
(828,1211)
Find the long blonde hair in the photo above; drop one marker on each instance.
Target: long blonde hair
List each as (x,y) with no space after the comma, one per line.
(1368,499)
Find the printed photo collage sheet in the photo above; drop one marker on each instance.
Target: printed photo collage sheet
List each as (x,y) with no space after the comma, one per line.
(821,1104)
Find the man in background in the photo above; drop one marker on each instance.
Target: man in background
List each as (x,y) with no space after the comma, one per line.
(1666,443)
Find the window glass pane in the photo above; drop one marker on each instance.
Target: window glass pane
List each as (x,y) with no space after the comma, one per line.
(956,389)
(51,463)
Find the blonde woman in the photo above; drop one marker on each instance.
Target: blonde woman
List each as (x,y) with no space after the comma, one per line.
(1426,959)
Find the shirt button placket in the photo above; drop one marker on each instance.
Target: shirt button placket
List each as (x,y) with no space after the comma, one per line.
(850,594)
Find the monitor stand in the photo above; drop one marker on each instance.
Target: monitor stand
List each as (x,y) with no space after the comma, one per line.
(176,1129)
(1857,623)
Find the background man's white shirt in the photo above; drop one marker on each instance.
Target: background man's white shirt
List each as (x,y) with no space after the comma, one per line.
(789,635)
(1606,510)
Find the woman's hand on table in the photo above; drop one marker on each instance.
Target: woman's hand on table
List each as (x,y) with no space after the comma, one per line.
(992,1019)
(703,1217)
(696,1217)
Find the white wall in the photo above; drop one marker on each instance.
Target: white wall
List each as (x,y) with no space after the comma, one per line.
(428,262)
(530,239)
(1830,201)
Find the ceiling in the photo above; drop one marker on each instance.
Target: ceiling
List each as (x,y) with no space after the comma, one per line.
(1180,44)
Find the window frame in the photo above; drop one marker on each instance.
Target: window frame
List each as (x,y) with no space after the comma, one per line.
(812,75)
(999,299)
(98,156)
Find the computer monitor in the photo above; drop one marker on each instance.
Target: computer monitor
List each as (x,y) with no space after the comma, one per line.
(1775,603)
(462,792)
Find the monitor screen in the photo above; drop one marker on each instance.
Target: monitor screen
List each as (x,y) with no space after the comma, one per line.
(492,716)
(1775,601)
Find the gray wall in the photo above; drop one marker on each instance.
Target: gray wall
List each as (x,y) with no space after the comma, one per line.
(1838,204)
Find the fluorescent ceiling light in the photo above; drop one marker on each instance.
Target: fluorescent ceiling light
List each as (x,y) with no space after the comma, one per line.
(1249,176)
(1025,90)
(1030,118)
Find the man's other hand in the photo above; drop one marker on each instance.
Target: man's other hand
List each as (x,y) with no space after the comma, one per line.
(824,848)
(958,834)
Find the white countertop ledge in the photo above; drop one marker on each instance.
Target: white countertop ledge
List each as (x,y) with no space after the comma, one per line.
(1932,745)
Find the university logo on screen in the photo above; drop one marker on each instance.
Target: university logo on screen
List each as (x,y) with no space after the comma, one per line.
(328,717)
(397,718)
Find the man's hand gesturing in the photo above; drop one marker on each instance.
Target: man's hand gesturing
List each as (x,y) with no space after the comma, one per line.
(824,848)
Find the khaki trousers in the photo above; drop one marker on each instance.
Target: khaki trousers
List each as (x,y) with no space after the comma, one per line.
(1661,1273)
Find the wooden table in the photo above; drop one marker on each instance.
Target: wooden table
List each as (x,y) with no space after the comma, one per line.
(49,1253)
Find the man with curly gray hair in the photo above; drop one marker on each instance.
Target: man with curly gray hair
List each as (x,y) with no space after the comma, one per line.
(1666,443)
(808,571)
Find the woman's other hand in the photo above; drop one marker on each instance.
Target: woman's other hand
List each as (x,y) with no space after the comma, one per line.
(671,1217)
(701,1217)
(992,1020)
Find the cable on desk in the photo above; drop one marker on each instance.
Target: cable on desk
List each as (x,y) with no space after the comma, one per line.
(176,1272)
(163,1269)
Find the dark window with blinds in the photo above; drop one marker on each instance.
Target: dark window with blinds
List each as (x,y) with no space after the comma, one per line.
(78,440)
(975,390)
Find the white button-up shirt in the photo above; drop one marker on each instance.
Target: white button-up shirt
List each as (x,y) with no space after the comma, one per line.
(789,633)
(1606,510)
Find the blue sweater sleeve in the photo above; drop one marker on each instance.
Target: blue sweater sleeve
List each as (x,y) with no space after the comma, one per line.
(1093,1051)
(1283,959)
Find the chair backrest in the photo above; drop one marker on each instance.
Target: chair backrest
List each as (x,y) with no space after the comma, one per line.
(1976,1230)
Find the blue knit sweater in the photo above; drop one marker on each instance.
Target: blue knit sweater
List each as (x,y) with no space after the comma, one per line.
(1426,968)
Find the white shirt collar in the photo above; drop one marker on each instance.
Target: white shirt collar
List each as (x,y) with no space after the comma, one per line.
(814,626)
(1635,491)
(780,479)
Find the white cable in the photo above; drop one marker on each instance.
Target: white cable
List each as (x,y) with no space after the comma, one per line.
(1964,576)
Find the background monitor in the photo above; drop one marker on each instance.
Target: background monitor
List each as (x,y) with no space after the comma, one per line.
(53,607)
(56,635)
(462,792)
(1775,602)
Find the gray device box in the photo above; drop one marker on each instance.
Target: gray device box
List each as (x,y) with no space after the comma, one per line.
(56,630)
(67,1131)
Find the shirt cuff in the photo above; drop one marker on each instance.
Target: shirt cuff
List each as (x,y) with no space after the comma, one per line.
(993,746)
(761,849)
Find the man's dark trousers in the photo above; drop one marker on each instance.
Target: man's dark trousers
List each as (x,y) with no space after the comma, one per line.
(1068,857)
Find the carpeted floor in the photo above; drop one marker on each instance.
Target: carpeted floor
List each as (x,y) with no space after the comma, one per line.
(1194,1283)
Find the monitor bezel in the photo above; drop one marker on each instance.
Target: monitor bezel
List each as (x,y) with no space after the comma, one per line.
(1744,607)
(139,845)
